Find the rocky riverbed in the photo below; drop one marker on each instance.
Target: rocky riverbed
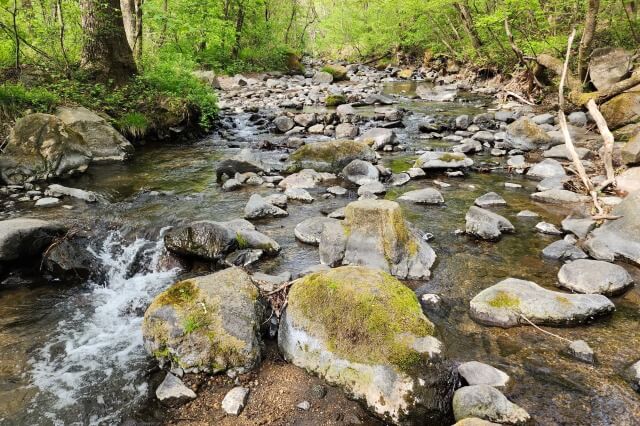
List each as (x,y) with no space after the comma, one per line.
(457,214)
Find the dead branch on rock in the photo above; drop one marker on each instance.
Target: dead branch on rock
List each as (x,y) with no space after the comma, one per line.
(607,136)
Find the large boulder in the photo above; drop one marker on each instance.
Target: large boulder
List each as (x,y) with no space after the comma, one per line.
(361,172)
(443,160)
(485,224)
(22,238)
(104,142)
(487,403)
(71,259)
(375,234)
(526,135)
(608,65)
(243,162)
(338,72)
(622,110)
(619,237)
(509,302)
(362,330)
(594,277)
(41,146)
(212,241)
(329,156)
(209,323)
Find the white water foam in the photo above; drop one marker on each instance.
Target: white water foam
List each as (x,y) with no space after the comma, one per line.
(89,371)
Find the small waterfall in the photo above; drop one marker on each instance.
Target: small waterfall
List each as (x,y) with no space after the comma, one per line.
(92,369)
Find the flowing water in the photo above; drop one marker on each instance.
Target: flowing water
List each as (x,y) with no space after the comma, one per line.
(73,354)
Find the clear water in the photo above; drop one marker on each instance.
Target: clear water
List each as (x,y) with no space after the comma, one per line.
(73,354)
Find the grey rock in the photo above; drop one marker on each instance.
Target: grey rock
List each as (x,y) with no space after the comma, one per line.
(630,152)
(504,304)
(477,373)
(579,226)
(173,391)
(346,131)
(305,120)
(231,185)
(258,208)
(490,199)
(361,172)
(487,403)
(563,250)
(486,224)
(304,406)
(337,190)
(580,350)
(577,118)
(283,123)
(56,190)
(608,65)
(629,180)
(309,230)
(633,375)
(545,118)
(553,182)
(298,194)
(547,228)
(24,238)
(379,138)
(372,188)
(268,283)
(560,151)
(337,214)
(423,196)
(235,400)
(546,169)
(243,162)
(322,77)
(399,179)
(524,134)
(442,160)
(278,200)
(47,202)
(594,277)
(329,156)
(71,259)
(559,196)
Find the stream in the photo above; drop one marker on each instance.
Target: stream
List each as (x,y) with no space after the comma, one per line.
(72,354)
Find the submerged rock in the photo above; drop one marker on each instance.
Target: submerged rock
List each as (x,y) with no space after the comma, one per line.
(209,323)
(375,234)
(40,147)
(504,305)
(71,259)
(490,199)
(563,250)
(580,350)
(243,162)
(443,160)
(594,277)
(362,330)
(423,196)
(559,196)
(487,403)
(329,156)
(486,224)
(24,238)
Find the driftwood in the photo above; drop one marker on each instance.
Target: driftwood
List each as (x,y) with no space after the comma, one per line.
(607,137)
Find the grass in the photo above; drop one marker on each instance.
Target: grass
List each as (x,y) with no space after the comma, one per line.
(180,293)
(15,99)
(134,124)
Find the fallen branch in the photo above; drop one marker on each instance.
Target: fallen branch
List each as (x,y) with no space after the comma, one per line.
(544,331)
(520,98)
(607,136)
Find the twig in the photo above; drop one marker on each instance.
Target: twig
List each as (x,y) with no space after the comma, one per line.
(520,98)
(544,331)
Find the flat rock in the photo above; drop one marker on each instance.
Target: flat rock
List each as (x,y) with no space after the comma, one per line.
(563,250)
(487,403)
(477,373)
(443,160)
(547,228)
(234,401)
(546,169)
(503,305)
(47,202)
(560,151)
(486,224)
(490,199)
(579,226)
(379,138)
(309,230)
(559,196)
(298,194)
(258,208)
(629,180)
(594,277)
(423,196)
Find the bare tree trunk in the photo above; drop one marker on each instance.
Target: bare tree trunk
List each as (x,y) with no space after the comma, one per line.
(467,22)
(62,31)
(590,22)
(129,19)
(137,43)
(105,52)
(14,14)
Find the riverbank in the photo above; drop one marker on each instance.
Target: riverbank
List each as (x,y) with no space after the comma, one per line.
(278,119)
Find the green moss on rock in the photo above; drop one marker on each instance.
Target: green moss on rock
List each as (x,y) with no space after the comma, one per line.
(335,100)
(503,299)
(366,315)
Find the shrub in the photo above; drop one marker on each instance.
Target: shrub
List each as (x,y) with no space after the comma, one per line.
(134,124)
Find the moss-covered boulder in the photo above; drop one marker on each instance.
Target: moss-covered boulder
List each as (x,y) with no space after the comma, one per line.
(338,72)
(209,323)
(329,156)
(622,110)
(42,146)
(375,234)
(335,100)
(443,160)
(362,330)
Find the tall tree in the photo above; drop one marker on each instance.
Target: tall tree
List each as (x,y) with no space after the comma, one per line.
(106,54)
(590,22)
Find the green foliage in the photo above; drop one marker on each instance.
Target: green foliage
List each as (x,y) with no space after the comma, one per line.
(16,98)
(134,124)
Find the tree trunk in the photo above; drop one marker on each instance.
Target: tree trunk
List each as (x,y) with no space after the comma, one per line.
(467,22)
(239,23)
(137,44)
(106,54)
(590,21)
(132,17)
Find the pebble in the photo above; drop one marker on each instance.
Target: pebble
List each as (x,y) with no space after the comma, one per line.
(304,405)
